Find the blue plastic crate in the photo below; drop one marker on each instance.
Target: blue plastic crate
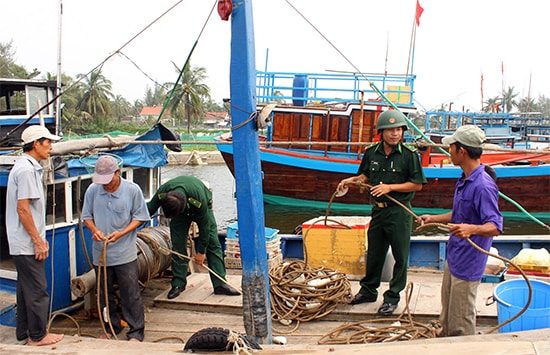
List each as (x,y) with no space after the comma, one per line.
(488,278)
(233,232)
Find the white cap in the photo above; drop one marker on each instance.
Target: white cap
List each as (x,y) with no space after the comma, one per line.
(33,133)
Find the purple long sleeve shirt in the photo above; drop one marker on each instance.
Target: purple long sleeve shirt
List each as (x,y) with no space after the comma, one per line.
(475,202)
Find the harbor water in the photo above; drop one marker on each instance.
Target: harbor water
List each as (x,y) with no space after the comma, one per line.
(287,218)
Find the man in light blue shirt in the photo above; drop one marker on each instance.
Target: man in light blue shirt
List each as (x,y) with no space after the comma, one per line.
(113,210)
(26,229)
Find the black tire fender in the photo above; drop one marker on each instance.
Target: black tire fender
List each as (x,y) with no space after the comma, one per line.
(216,339)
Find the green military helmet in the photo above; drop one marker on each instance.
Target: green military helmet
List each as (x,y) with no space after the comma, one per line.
(391,119)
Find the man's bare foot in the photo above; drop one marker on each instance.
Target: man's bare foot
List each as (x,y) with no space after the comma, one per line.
(105,336)
(49,339)
(436,328)
(134,340)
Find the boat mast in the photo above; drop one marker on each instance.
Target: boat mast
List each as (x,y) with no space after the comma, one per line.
(248,177)
(58,82)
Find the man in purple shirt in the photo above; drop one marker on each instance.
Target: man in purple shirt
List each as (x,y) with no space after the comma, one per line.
(475,215)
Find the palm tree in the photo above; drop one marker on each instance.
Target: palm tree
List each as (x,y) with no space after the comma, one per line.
(97,94)
(154,97)
(509,99)
(543,105)
(526,104)
(189,94)
(121,107)
(492,104)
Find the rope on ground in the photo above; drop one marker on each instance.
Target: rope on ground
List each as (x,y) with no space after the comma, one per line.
(168,251)
(239,345)
(300,292)
(75,322)
(399,329)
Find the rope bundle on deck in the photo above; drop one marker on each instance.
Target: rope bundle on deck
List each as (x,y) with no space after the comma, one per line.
(399,329)
(303,293)
(151,261)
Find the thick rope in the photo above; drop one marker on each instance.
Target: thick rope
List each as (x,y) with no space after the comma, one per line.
(102,266)
(400,328)
(303,293)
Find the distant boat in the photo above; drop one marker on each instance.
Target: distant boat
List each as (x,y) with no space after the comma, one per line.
(318,127)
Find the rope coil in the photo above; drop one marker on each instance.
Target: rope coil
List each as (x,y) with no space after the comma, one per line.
(400,328)
(303,293)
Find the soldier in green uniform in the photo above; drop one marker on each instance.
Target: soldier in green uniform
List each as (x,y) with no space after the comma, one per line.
(392,169)
(186,199)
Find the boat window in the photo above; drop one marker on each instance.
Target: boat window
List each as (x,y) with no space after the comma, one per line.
(55,204)
(78,195)
(38,97)
(13,101)
(5,258)
(146,178)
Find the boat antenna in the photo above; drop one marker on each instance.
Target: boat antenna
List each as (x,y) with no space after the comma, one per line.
(58,79)
(387,50)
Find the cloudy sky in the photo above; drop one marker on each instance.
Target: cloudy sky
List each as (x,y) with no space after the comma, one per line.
(456,42)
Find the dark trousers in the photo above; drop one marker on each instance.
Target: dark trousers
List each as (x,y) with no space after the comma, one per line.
(32,298)
(126,276)
(390,226)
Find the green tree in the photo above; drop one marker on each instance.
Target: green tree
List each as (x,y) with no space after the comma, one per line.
(121,107)
(189,95)
(8,67)
(96,94)
(154,97)
(526,104)
(137,107)
(212,106)
(544,106)
(509,99)
(492,104)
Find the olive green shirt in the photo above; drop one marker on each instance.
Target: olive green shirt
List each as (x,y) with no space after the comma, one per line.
(400,166)
(198,209)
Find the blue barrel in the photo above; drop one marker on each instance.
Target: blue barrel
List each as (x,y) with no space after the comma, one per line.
(299,90)
(511,297)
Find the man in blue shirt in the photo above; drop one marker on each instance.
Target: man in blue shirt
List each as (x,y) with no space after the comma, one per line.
(475,215)
(113,210)
(26,227)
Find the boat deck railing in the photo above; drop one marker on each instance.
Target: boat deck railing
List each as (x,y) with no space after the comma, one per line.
(301,89)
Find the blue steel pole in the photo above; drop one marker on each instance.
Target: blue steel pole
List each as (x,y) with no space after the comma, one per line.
(246,156)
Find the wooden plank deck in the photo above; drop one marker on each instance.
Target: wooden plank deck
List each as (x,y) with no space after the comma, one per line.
(425,300)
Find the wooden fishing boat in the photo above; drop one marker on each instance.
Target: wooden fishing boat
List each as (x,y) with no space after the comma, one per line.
(315,135)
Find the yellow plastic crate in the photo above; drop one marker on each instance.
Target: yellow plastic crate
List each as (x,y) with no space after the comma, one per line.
(339,245)
(543,269)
